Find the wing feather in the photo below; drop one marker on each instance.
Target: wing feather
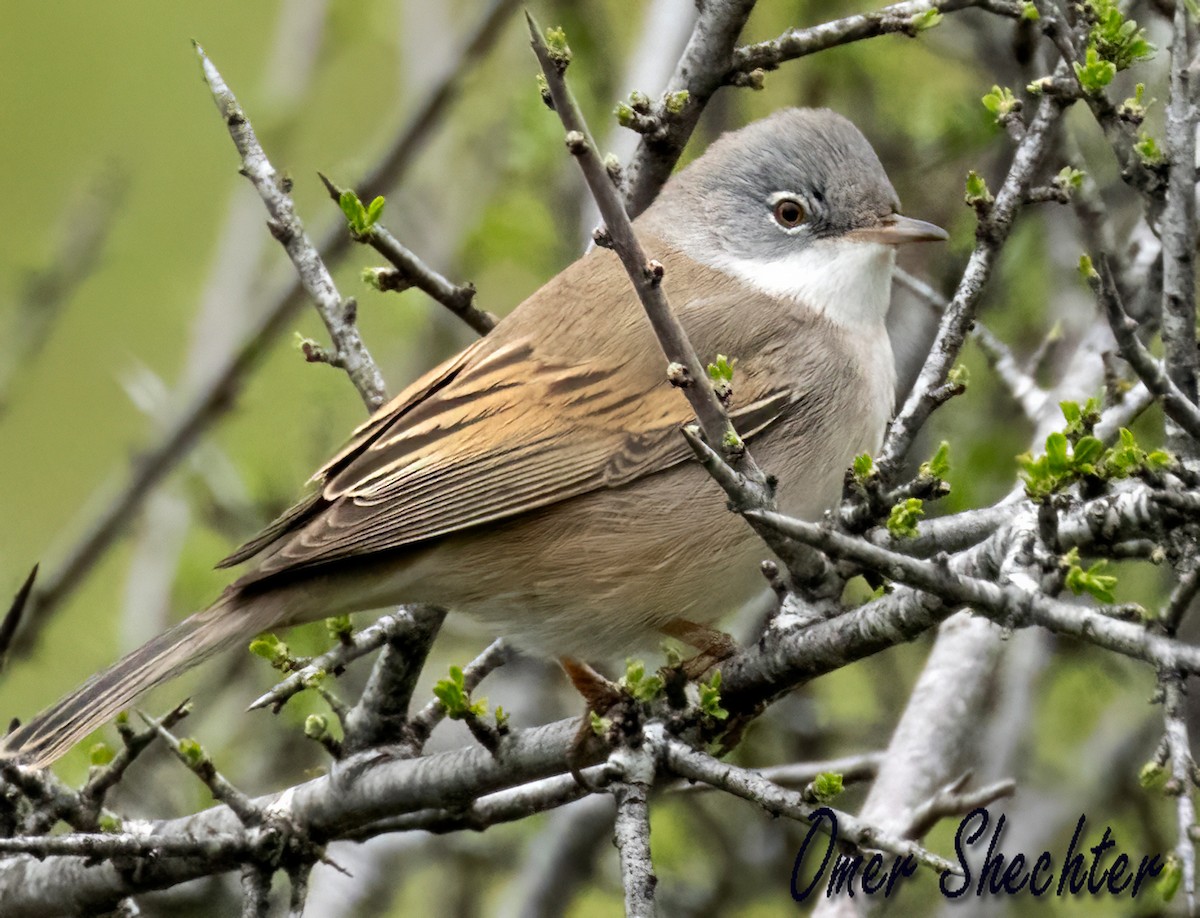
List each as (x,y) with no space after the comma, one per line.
(503,429)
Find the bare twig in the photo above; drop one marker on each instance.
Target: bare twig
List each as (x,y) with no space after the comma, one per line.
(1176,404)
(897,18)
(338,314)
(1177,229)
(385,629)
(688,763)
(644,273)
(380,716)
(992,232)
(1029,396)
(1181,783)
(631,789)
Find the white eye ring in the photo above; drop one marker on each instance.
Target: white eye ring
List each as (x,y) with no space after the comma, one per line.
(788,211)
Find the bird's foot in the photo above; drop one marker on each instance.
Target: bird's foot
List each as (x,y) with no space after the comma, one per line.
(601,696)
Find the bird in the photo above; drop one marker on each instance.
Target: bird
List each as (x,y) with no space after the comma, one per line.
(538,480)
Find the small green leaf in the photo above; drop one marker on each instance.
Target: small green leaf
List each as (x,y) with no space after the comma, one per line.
(939,464)
(101,754)
(722,369)
(374,210)
(1069,180)
(1134,108)
(959,375)
(191,752)
(624,113)
(1000,101)
(351,206)
(676,101)
(902,521)
(271,649)
(826,786)
(864,466)
(1058,461)
(453,695)
(339,627)
(1087,452)
(1086,270)
(1091,581)
(110,822)
(638,684)
(600,725)
(1149,151)
(1152,776)
(501,717)
(1095,73)
(1170,878)
(1159,460)
(560,51)
(316,726)
(1080,420)
(925,20)
(710,698)
(977,190)
(1029,11)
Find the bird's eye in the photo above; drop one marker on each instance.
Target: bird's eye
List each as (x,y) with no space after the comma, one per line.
(789,213)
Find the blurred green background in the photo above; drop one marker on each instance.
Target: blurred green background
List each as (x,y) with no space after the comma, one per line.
(105,118)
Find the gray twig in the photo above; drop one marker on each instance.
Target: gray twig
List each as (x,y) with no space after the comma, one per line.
(741,782)
(635,776)
(956,320)
(410,271)
(1181,409)
(338,313)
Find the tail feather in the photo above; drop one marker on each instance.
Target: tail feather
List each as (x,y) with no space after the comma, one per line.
(51,733)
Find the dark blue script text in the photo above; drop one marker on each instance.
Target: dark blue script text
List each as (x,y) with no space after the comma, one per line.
(1107,871)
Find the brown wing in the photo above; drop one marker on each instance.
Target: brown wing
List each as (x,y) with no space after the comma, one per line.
(478,445)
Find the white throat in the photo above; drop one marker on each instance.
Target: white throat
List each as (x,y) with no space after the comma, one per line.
(848,281)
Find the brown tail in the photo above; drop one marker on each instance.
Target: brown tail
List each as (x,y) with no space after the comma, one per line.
(55,730)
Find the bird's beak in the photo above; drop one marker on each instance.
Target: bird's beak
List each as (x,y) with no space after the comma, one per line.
(895,229)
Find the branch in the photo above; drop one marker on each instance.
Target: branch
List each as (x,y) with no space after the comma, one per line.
(701,71)
(1177,229)
(1007,606)
(1181,409)
(380,716)
(410,271)
(338,314)
(385,629)
(684,370)
(778,801)
(1029,396)
(1182,781)
(895,19)
(631,789)
(990,236)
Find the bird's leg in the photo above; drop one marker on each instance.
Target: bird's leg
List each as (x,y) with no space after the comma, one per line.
(714,646)
(600,695)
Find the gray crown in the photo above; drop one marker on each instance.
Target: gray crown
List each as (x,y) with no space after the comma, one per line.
(721,204)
